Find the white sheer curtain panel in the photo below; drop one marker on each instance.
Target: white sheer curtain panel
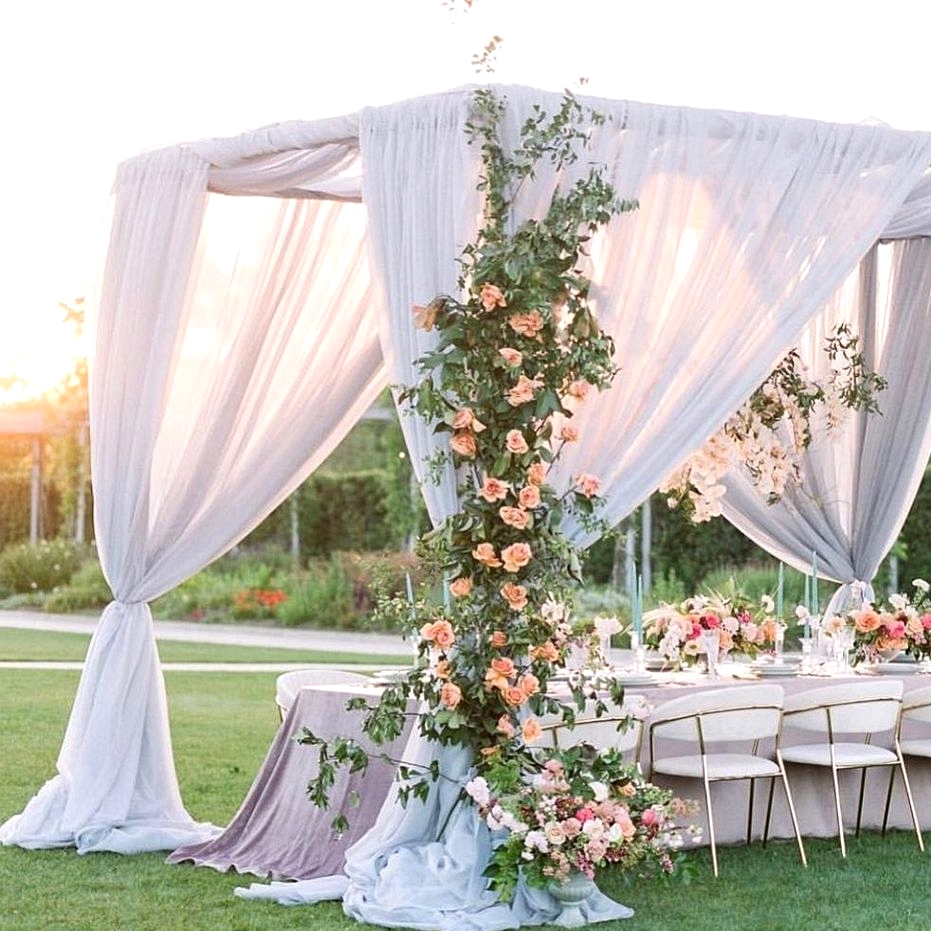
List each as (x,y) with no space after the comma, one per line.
(747,224)
(858,482)
(213,394)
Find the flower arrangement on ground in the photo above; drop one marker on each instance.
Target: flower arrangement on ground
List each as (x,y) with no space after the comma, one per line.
(901,625)
(675,631)
(580,810)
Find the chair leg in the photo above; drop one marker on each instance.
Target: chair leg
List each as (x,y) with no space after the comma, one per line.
(888,799)
(911,805)
(710,814)
(792,815)
(750,813)
(840,818)
(769,810)
(860,800)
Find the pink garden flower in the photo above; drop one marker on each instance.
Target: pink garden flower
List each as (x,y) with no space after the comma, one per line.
(516,443)
(491,297)
(512,357)
(493,489)
(516,556)
(463,443)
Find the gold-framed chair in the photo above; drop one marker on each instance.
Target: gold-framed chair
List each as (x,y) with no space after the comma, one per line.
(713,722)
(600,731)
(916,709)
(847,716)
(288,684)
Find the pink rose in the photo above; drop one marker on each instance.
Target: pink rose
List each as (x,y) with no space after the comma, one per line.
(491,297)
(536,474)
(514,517)
(493,489)
(587,484)
(529,497)
(530,730)
(568,433)
(514,595)
(450,694)
(512,357)
(578,389)
(463,443)
(460,587)
(528,325)
(516,443)
(465,419)
(522,392)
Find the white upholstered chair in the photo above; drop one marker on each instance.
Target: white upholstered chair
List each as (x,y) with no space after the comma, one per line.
(716,736)
(846,717)
(599,731)
(288,684)
(916,709)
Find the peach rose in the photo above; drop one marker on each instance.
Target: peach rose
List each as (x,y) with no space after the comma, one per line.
(443,669)
(866,620)
(512,357)
(450,694)
(440,633)
(529,497)
(493,489)
(460,587)
(529,683)
(503,666)
(516,443)
(579,389)
(463,443)
(514,517)
(530,730)
(514,595)
(522,392)
(587,484)
(568,433)
(465,419)
(516,556)
(536,474)
(505,726)
(491,297)
(485,554)
(547,651)
(498,639)
(528,325)
(513,696)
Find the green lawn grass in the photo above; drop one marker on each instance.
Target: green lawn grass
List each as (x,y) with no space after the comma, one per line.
(39,645)
(222,724)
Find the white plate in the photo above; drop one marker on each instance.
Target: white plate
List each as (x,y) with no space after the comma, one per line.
(893,669)
(776,671)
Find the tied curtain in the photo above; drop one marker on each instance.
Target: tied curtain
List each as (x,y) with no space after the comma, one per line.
(214,385)
(858,482)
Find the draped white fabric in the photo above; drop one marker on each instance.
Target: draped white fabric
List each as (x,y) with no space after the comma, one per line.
(858,483)
(206,412)
(747,224)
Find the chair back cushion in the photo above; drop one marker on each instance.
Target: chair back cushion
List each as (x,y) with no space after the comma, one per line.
(748,712)
(865,707)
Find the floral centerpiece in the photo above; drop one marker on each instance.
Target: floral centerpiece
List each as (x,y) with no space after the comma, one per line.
(675,631)
(512,358)
(884,630)
(582,809)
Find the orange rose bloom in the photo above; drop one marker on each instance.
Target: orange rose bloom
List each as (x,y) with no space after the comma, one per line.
(866,620)
(536,474)
(531,730)
(522,392)
(514,517)
(511,356)
(463,443)
(460,587)
(568,433)
(514,696)
(547,651)
(485,554)
(466,420)
(491,297)
(450,694)
(529,497)
(516,556)
(529,684)
(505,726)
(528,325)
(443,669)
(498,639)
(504,666)
(587,484)
(493,489)
(578,389)
(514,595)
(439,633)
(516,443)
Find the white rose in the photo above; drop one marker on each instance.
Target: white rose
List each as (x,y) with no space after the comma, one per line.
(600,790)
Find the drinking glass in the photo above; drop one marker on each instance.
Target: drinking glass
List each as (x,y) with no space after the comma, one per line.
(711,644)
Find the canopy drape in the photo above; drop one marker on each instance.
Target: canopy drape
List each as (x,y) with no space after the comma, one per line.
(217,388)
(859,481)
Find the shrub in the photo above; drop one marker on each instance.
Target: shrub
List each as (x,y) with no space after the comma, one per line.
(87,590)
(39,568)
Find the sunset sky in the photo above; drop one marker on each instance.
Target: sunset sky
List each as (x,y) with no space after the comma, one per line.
(89,84)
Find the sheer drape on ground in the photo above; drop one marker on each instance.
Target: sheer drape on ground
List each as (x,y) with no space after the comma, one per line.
(219,383)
